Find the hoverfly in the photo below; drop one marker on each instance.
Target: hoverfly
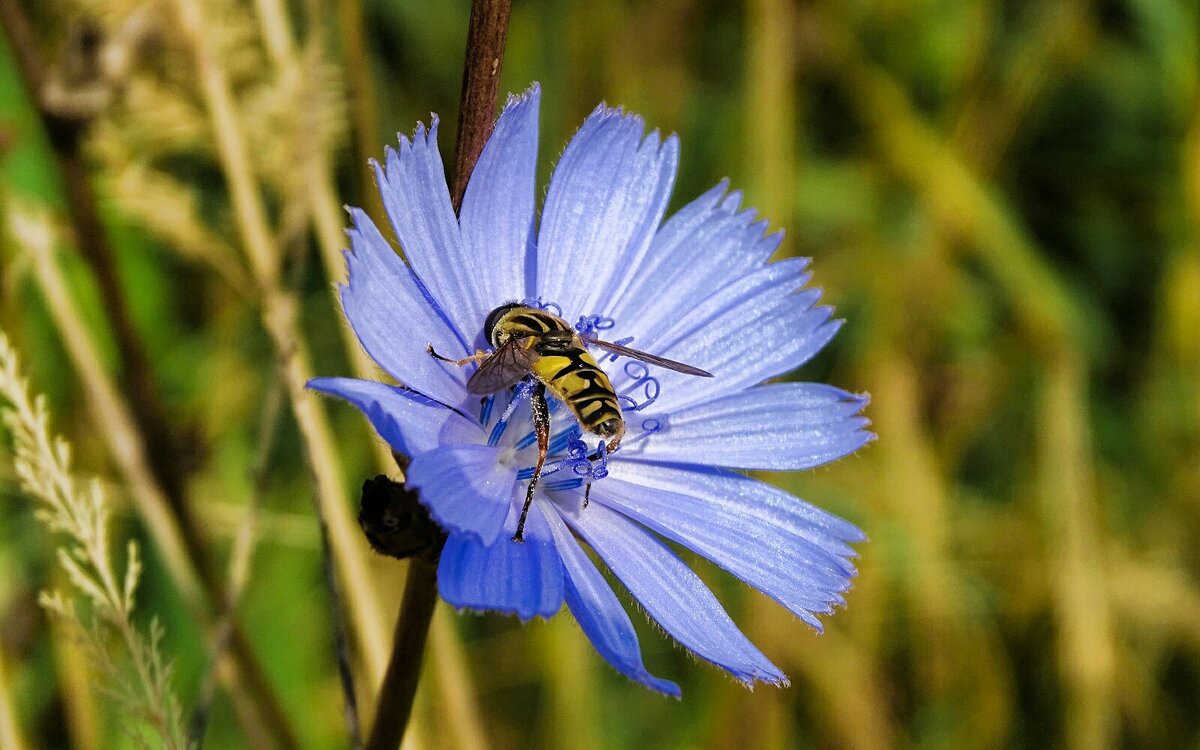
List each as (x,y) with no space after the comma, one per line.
(529,343)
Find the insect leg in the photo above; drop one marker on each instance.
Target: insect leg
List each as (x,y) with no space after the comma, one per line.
(616,439)
(476,357)
(541,427)
(608,449)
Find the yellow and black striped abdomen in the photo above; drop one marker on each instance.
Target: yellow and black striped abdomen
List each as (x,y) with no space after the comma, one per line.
(575,378)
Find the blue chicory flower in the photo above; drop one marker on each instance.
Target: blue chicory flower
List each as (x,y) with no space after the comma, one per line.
(697,288)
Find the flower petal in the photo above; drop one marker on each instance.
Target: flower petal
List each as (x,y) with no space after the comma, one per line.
(780,426)
(466,488)
(671,592)
(408,421)
(698,250)
(606,198)
(805,572)
(522,579)
(498,212)
(748,496)
(748,330)
(417,200)
(597,609)
(394,319)
(766,334)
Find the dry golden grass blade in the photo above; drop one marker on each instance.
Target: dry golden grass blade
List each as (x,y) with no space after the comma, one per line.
(1085,645)
(279,312)
(992,117)
(311,155)
(112,417)
(75,679)
(455,685)
(311,159)
(11,736)
(964,206)
(848,688)
(770,110)
(573,689)
(126,445)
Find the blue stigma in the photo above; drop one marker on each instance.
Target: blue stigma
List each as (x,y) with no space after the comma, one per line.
(537,303)
(523,390)
(587,325)
(485,409)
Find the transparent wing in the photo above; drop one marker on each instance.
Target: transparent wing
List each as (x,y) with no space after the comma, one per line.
(502,369)
(649,359)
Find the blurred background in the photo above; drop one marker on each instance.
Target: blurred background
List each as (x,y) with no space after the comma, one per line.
(1002,199)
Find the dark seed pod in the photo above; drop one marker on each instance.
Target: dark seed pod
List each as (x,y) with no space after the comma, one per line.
(396,524)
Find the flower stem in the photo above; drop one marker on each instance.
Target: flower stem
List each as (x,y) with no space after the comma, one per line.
(486,36)
(404,668)
(480,87)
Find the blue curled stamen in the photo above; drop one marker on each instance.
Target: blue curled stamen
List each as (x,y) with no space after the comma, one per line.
(588,467)
(589,324)
(650,385)
(537,302)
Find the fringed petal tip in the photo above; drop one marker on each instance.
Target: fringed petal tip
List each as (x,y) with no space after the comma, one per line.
(603,117)
(533,93)
(420,134)
(482,611)
(776,679)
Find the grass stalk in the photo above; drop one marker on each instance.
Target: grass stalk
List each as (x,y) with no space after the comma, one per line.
(111,413)
(75,680)
(280,318)
(456,689)
(256,706)
(770,111)
(328,222)
(10,725)
(964,204)
(360,94)
(1084,639)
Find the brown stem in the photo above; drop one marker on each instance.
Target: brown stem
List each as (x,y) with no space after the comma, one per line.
(480,87)
(476,116)
(408,647)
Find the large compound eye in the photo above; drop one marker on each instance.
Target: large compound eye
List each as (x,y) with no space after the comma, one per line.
(493,318)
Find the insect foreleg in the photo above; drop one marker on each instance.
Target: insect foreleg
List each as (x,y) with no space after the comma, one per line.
(541,428)
(478,356)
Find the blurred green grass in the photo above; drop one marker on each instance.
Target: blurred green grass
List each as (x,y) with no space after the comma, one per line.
(1001,199)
